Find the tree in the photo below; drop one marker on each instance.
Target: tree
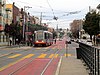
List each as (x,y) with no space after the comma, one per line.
(34,27)
(91,23)
(7,29)
(54,34)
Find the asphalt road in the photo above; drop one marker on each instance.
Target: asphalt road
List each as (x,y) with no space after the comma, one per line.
(19,57)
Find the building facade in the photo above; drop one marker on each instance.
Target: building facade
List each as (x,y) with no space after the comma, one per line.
(12,13)
(2,21)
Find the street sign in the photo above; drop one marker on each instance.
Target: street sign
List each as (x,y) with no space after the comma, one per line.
(28,33)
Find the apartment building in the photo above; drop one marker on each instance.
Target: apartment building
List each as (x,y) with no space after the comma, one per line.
(2,20)
(12,13)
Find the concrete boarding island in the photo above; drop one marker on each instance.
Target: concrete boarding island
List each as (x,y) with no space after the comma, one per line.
(72,66)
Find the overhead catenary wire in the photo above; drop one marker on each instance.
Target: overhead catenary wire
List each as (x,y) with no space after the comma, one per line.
(59,14)
(32,4)
(45,7)
(52,10)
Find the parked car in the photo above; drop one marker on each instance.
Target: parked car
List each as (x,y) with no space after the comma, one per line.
(72,40)
(89,42)
(69,41)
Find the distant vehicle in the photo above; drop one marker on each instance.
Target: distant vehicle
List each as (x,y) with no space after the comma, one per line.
(69,41)
(57,39)
(72,39)
(43,38)
(60,39)
(89,42)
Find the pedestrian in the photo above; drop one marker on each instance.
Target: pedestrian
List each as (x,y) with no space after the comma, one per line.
(16,41)
(10,41)
(55,41)
(31,42)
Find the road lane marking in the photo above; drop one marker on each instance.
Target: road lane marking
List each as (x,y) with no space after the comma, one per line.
(58,67)
(42,56)
(38,48)
(29,55)
(46,48)
(51,56)
(14,56)
(56,55)
(67,55)
(5,54)
(10,64)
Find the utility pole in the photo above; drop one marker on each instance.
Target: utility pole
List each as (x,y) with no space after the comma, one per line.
(24,22)
(41,19)
(98,7)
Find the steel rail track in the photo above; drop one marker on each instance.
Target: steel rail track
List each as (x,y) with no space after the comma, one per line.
(26,65)
(49,63)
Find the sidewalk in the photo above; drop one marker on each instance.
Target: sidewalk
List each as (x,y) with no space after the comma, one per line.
(71,66)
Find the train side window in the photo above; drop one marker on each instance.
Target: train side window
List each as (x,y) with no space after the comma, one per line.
(45,36)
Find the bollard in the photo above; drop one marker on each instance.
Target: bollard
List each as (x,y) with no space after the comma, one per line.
(66,43)
(78,53)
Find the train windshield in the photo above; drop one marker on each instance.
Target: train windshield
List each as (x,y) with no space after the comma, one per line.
(39,35)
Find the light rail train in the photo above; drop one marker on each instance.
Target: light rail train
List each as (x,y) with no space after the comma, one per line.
(43,38)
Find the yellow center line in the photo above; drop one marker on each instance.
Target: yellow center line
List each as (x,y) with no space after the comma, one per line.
(42,56)
(14,56)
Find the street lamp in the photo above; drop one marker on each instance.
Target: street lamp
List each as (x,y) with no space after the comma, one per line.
(24,21)
(98,7)
(56,18)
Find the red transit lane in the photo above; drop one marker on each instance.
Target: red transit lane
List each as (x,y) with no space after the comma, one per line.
(14,67)
(35,67)
(52,67)
(59,44)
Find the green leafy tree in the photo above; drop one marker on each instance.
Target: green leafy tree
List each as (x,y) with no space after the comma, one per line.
(54,34)
(34,27)
(7,29)
(91,23)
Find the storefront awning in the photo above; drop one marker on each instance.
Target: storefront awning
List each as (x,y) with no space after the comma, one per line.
(1,28)
(28,33)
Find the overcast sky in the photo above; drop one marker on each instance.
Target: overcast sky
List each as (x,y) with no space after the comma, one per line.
(58,8)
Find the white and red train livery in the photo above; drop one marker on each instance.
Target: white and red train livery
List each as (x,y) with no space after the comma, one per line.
(43,38)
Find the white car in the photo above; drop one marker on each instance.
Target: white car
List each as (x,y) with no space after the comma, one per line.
(89,42)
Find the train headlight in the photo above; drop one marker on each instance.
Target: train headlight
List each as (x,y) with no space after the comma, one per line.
(37,41)
(42,41)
